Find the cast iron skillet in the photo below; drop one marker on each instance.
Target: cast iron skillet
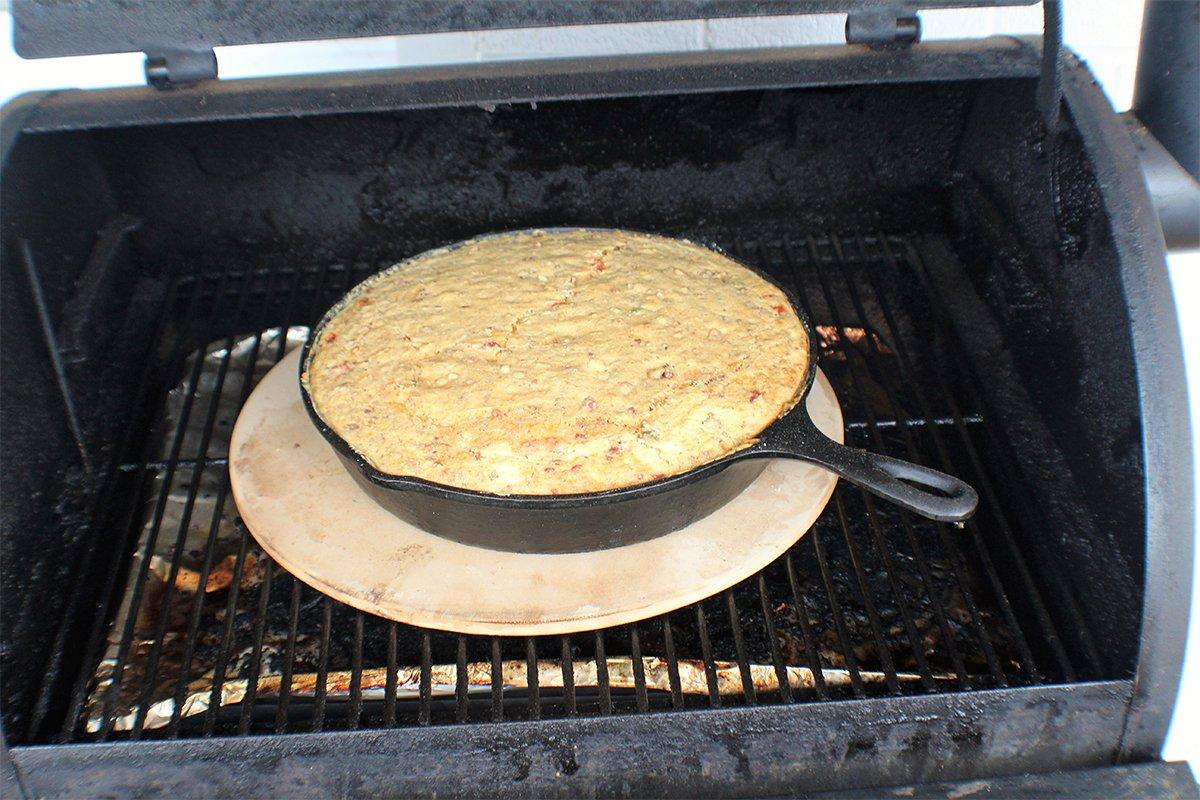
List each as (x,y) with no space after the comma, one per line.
(596,520)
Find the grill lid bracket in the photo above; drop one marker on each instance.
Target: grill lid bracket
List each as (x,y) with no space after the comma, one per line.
(169,67)
(878,27)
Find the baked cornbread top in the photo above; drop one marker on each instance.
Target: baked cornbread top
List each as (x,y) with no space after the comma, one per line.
(557,362)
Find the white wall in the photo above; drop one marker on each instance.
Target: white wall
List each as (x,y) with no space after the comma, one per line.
(1103,32)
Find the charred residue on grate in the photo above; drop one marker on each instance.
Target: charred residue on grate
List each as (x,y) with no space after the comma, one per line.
(213,638)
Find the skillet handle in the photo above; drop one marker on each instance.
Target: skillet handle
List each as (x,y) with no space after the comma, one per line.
(901,482)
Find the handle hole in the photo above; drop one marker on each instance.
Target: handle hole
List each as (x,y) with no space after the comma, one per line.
(927,488)
(924,487)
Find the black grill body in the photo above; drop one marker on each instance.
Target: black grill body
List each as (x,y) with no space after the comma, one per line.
(1016,323)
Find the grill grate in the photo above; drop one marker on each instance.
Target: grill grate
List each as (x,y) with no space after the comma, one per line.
(872,601)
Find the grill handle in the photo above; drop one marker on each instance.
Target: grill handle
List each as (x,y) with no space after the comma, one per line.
(919,489)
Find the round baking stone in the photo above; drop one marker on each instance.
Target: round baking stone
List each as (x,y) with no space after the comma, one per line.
(308,514)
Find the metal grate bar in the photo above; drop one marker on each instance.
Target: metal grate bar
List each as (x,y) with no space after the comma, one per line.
(885,655)
(1075,618)
(285,691)
(96,637)
(672,662)
(426,685)
(914,453)
(152,538)
(948,537)
(497,679)
(256,667)
(881,546)
(1090,652)
(329,273)
(153,466)
(710,668)
(993,505)
(810,642)
(318,721)
(1066,602)
(781,675)
(568,677)
(210,714)
(531,679)
(905,517)
(285,687)
(198,602)
(839,619)
(177,549)
(605,691)
(639,669)
(917,422)
(389,699)
(356,672)
(864,588)
(739,643)
(260,626)
(227,636)
(461,708)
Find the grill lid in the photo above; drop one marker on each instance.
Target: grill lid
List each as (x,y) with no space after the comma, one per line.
(178,36)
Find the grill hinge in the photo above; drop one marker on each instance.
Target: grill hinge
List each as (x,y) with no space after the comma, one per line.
(168,68)
(882,27)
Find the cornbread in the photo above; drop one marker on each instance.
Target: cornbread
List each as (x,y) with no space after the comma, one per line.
(557,362)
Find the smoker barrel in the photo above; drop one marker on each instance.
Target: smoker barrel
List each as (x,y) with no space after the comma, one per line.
(972,287)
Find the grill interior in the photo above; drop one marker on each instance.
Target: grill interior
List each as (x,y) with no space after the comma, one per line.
(874,600)
(986,335)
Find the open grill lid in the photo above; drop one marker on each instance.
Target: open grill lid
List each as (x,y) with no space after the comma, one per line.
(178,36)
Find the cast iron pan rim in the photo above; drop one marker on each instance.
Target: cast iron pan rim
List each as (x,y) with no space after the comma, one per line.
(395,482)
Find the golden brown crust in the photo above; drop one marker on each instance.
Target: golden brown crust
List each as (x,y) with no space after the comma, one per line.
(557,362)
